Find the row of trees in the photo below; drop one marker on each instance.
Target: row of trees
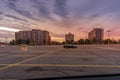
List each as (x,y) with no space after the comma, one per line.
(86,42)
(17,42)
(79,42)
(106,41)
(27,42)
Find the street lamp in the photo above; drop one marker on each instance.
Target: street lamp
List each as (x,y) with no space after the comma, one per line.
(85,34)
(6,39)
(108,31)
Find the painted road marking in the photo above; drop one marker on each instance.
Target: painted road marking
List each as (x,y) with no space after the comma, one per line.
(20,55)
(11,65)
(81,56)
(63,65)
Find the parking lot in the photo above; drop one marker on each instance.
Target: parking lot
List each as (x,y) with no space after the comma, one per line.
(29,62)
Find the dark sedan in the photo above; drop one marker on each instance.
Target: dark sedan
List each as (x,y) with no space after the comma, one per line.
(69,46)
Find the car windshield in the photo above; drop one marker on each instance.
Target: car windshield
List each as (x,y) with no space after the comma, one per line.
(59,38)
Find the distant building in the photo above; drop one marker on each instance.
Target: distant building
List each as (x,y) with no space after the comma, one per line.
(35,36)
(69,38)
(17,36)
(46,37)
(96,34)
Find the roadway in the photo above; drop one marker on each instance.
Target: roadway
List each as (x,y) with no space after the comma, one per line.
(54,61)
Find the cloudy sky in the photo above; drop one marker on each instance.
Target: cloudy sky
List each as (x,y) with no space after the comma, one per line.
(59,17)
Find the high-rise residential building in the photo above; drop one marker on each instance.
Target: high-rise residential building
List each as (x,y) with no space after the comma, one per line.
(16,35)
(46,37)
(97,34)
(69,38)
(35,36)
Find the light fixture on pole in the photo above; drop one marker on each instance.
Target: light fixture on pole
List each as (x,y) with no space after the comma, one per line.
(108,31)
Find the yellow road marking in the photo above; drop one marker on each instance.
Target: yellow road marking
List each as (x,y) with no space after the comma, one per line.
(55,55)
(64,65)
(74,56)
(20,55)
(11,65)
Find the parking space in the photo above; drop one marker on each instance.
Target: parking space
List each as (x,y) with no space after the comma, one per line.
(55,61)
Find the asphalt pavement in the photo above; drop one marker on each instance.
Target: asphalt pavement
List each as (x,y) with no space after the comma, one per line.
(29,62)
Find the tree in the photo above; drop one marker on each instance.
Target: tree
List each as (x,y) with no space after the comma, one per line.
(118,41)
(94,41)
(114,42)
(55,43)
(28,42)
(63,42)
(107,41)
(87,41)
(69,42)
(13,42)
(81,41)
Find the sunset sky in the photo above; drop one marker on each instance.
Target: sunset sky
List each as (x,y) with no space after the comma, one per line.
(59,17)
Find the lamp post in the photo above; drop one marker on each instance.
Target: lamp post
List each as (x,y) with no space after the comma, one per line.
(108,31)
(6,39)
(85,34)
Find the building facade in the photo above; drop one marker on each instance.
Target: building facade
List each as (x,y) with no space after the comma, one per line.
(96,34)
(35,36)
(69,38)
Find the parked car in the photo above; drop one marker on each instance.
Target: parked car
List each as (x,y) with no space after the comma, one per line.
(69,46)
